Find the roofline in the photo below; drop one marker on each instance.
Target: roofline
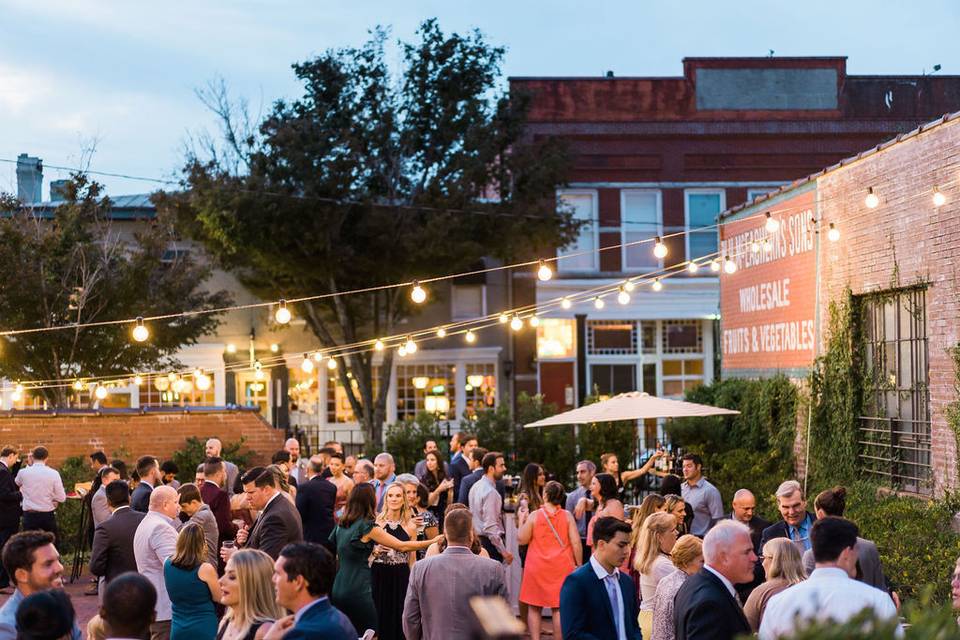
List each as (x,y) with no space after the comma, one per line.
(845,162)
(608,79)
(756,58)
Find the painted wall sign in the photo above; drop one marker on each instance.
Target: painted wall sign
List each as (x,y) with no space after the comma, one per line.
(767,305)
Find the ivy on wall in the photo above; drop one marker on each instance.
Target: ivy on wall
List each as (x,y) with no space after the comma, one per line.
(953,408)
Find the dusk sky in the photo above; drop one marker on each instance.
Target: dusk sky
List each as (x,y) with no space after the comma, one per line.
(123,74)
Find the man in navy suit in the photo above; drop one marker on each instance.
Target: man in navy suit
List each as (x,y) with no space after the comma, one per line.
(315,501)
(706,607)
(597,601)
(303,577)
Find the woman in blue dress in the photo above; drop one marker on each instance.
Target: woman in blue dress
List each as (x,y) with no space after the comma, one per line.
(193,587)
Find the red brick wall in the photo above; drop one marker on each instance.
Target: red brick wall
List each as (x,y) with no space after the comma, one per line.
(155,434)
(902,242)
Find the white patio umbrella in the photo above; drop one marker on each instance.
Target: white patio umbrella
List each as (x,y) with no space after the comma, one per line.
(633,405)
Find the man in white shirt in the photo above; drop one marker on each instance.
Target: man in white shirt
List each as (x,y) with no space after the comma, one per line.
(830,593)
(42,491)
(154,542)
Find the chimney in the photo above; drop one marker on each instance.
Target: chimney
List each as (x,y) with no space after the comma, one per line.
(29,179)
(58,190)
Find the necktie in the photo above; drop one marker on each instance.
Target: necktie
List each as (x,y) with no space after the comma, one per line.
(610,582)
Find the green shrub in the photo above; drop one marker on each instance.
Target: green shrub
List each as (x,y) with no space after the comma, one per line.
(73,470)
(553,447)
(404,440)
(194,452)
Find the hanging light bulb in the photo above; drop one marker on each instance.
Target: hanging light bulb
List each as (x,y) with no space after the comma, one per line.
(418,294)
(18,388)
(258,371)
(101,392)
(410,345)
(659,249)
(283,315)
(534,321)
(833,234)
(470,336)
(401,351)
(78,385)
(332,364)
(729,266)
(307,364)
(767,246)
(544,272)
(441,333)
(598,302)
(938,198)
(872,200)
(657,285)
(140,331)
(378,345)
(628,286)
(137,380)
(565,303)
(715,265)
(317,356)
(16,395)
(516,324)
(202,381)
(754,247)
(772,225)
(693,267)
(231,348)
(623,297)
(504,318)
(274,347)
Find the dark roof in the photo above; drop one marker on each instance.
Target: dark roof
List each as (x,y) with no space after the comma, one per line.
(127,207)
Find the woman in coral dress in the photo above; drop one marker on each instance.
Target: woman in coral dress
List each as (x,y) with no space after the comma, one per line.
(554,552)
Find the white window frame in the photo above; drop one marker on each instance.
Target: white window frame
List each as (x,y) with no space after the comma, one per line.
(624,227)
(686,214)
(759,191)
(595,225)
(483,302)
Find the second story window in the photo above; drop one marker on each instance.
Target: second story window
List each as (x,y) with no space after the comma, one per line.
(640,219)
(468,301)
(583,252)
(702,208)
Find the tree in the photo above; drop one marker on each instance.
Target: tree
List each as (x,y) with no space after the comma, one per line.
(373,178)
(71,266)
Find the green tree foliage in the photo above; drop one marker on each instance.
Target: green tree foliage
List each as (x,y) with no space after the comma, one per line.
(72,265)
(193,452)
(405,439)
(363,180)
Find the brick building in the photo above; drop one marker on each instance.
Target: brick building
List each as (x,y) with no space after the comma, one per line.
(900,258)
(664,156)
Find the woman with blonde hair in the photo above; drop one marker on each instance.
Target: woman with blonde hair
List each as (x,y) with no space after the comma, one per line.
(658,534)
(783,566)
(390,567)
(246,590)
(192,584)
(674,504)
(687,557)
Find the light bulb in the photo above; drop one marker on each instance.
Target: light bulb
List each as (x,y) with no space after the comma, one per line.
(754,247)
(410,345)
(504,318)
(78,385)
(544,272)
(659,249)
(565,303)
(938,198)
(628,286)
(331,364)
(441,333)
(657,285)
(470,336)
(418,294)
(140,331)
(282,316)
(623,297)
(307,364)
(598,303)
(729,266)
(715,265)
(833,234)
(101,392)
(693,267)
(317,356)
(772,225)
(18,388)
(401,351)
(767,246)
(258,374)
(516,324)
(202,381)
(534,321)
(15,396)
(378,345)
(231,348)
(138,380)
(872,200)
(274,347)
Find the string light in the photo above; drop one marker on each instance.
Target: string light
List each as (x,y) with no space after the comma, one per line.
(283,315)
(441,333)
(544,272)
(378,345)
(258,371)
(772,225)
(659,249)
(871,200)
(657,285)
(140,331)
(231,348)
(332,364)
(754,247)
(767,246)
(101,392)
(418,294)
(307,364)
(938,198)
(565,303)
(402,351)
(516,324)
(504,318)
(534,321)
(16,394)
(693,267)
(410,346)
(274,347)
(137,380)
(715,265)
(628,286)
(598,303)
(833,234)
(729,266)
(470,336)
(202,380)
(78,385)
(317,356)
(623,297)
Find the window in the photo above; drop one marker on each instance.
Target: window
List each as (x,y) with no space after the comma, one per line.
(648,334)
(641,220)
(611,379)
(555,338)
(682,336)
(895,433)
(339,409)
(611,337)
(162,391)
(681,375)
(583,205)
(703,207)
(426,387)
(759,191)
(468,301)
(481,388)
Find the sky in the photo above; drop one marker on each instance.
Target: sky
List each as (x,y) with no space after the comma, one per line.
(120,77)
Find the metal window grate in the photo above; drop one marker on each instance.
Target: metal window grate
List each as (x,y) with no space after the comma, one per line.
(682,336)
(895,432)
(611,337)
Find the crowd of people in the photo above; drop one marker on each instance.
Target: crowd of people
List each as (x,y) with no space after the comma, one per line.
(339,547)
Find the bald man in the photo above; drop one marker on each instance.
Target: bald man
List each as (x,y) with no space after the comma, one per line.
(744,506)
(298,467)
(214,449)
(154,542)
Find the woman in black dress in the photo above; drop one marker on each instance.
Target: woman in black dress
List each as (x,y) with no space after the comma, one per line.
(439,486)
(390,568)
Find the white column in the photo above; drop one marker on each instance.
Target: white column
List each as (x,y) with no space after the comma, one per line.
(460,391)
(707,351)
(220,386)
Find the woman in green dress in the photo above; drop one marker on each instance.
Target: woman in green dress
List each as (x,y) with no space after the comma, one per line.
(355,537)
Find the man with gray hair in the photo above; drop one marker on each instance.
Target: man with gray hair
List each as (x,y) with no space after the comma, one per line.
(707,606)
(384,474)
(585,472)
(363,472)
(797,521)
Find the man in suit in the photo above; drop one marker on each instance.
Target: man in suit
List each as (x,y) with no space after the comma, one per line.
(315,502)
(797,521)
(278,524)
(112,552)
(467,482)
(99,505)
(214,475)
(744,504)
(10,510)
(154,541)
(384,473)
(303,577)
(598,601)
(298,466)
(459,467)
(128,606)
(437,605)
(706,607)
(149,471)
